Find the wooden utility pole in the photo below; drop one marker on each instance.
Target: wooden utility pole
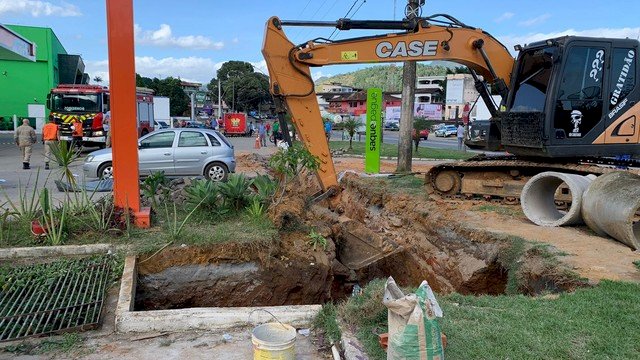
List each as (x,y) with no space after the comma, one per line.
(408,99)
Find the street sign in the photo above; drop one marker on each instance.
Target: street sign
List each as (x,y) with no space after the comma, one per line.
(373,131)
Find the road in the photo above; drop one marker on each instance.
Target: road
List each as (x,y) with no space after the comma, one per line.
(391,137)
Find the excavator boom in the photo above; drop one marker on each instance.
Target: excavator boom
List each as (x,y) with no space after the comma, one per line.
(293,88)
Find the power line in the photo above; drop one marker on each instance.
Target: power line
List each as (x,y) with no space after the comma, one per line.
(300,30)
(345,16)
(352,15)
(304,8)
(306,34)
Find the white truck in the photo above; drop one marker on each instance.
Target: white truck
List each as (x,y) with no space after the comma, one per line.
(161,112)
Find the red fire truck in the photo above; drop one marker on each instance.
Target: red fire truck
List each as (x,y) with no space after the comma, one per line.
(236,124)
(90,103)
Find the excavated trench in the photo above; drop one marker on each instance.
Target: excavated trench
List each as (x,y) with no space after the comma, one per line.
(287,271)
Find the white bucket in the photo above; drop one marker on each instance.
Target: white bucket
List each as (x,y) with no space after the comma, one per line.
(274,341)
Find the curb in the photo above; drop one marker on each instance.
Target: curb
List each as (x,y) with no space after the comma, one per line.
(393,158)
(51,251)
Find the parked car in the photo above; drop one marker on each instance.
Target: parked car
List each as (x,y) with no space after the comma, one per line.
(447,131)
(160,124)
(391,126)
(176,152)
(424,134)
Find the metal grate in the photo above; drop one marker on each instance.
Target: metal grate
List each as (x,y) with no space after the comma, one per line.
(56,297)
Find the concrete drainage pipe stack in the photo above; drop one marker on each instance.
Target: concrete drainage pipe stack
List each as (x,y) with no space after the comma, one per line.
(611,206)
(538,198)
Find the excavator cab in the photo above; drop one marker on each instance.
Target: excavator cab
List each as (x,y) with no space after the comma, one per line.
(573,97)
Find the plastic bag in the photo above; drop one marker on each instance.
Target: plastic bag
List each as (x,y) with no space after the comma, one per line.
(414,333)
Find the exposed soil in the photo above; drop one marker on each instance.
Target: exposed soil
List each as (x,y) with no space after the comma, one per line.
(436,245)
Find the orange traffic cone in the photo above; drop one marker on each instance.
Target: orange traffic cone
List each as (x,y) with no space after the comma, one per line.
(257,144)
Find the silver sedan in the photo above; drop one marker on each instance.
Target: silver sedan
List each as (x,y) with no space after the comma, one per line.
(176,152)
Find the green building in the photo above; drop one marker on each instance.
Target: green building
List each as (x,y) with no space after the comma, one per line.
(24,85)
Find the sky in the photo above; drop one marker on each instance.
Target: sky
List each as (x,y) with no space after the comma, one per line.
(191,39)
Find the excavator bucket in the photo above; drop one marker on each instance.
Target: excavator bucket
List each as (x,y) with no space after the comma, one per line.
(359,247)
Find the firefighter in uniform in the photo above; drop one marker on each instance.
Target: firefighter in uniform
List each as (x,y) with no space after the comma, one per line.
(49,137)
(25,137)
(76,132)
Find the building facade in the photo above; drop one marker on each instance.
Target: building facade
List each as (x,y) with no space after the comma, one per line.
(461,90)
(24,85)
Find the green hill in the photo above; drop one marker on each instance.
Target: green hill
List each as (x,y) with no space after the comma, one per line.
(388,77)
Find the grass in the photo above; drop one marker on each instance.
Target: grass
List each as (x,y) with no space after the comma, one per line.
(391,150)
(327,321)
(499,209)
(58,344)
(637,264)
(594,323)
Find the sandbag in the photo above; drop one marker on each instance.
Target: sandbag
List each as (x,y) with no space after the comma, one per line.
(414,333)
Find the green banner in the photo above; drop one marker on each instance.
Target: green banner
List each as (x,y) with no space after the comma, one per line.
(374,131)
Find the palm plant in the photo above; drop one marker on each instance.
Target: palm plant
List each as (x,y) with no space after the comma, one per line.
(351,126)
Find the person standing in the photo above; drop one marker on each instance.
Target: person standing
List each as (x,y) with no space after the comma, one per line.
(77,133)
(106,127)
(460,135)
(276,130)
(50,136)
(262,133)
(327,129)
(415,135)
(25,137)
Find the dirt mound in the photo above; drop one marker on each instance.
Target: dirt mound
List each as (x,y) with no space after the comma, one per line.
(251,162)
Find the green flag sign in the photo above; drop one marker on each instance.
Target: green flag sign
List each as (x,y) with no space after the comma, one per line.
(374,130)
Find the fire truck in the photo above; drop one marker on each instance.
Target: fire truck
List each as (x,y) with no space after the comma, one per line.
(90,104)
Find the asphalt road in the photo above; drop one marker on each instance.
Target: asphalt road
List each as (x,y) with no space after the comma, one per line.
(391,137)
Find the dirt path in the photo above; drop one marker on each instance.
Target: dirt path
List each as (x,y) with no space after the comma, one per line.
(592,256)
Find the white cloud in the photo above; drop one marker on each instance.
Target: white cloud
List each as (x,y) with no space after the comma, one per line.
(164,37)
(37,8)
(261,67)
(196,69)
(317,74)
(620,33)
(535,21)
(235,40)
(503,17)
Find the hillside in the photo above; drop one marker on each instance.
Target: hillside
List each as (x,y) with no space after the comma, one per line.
(388,77)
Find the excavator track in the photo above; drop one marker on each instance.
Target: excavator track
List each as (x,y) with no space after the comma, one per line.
(502,178)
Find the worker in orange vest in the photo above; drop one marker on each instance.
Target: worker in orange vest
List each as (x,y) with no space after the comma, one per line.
(76,132)
(49,137)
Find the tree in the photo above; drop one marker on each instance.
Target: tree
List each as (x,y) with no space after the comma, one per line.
(351,126)
(242,87)
(179,102)
(97,79)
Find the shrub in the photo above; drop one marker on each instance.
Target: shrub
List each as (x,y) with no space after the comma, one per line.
(235,192)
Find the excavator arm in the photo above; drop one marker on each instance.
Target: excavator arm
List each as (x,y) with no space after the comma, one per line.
(293,88)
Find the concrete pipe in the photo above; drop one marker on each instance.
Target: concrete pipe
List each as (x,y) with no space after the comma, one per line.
(538,198)
(611,206)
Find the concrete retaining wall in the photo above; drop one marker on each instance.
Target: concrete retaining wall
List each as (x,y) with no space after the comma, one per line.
(128,320)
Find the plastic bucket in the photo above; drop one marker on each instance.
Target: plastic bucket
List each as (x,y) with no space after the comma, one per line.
(274,341)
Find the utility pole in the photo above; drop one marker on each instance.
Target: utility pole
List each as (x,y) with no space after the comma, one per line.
(193,105)
(219,101)
(408,99)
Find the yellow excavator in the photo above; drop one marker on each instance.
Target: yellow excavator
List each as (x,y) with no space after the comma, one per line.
(568,103)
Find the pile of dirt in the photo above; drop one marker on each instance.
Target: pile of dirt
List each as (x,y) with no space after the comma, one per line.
(251,162)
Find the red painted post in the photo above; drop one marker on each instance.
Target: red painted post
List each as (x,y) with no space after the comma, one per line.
(124,132)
